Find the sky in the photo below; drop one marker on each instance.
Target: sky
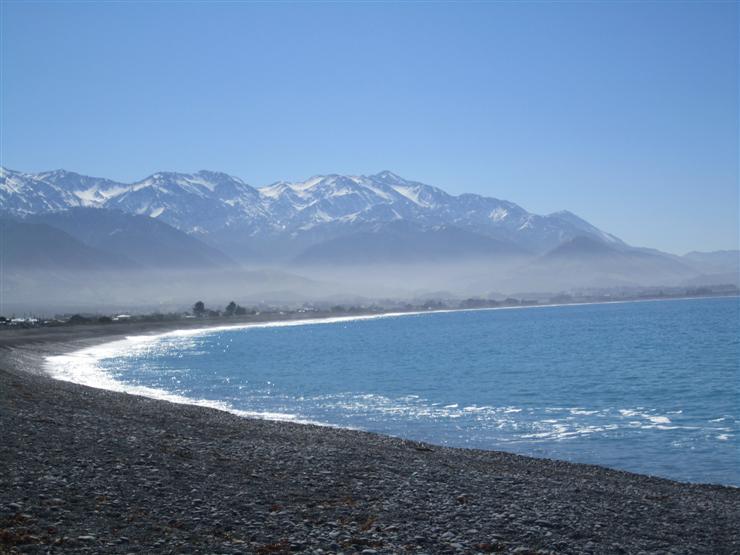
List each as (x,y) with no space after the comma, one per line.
(625,113)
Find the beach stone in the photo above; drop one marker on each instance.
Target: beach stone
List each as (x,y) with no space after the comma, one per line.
(335,490)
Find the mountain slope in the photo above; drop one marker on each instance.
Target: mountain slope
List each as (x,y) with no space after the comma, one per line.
(40,247)
(333,220)
(195,203)
(585,261)
(401,243)
(146,241)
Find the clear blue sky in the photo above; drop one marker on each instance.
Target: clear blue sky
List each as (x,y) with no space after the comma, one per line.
(625,113)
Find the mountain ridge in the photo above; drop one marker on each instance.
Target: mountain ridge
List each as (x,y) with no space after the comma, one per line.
(330,221)
(324,207)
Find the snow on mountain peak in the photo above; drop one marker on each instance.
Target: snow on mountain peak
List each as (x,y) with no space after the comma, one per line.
(388,176)
(209,202)
(583,225)
(275,190)
(499,214)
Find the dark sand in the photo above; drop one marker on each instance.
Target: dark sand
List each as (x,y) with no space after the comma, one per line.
(87,470)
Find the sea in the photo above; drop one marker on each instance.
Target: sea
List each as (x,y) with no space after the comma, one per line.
(651,387)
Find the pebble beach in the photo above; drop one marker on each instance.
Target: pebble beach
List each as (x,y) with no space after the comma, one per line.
(85,470)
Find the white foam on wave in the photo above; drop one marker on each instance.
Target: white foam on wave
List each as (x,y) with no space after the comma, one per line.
(656,421)
(516,423)
(83,366)
(582,412)
(659,419)
(476,408)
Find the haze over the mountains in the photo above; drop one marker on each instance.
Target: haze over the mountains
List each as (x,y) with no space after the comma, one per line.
(375,235)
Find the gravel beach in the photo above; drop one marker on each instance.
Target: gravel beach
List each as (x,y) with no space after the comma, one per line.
(92,471)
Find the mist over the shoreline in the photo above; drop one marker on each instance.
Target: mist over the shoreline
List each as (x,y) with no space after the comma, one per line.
(53,290)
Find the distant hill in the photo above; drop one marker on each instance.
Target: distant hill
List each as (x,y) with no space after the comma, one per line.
(146,241)
(40,247)
(714,268)
(585,261)
(400,243)
(588,252)
(727,261)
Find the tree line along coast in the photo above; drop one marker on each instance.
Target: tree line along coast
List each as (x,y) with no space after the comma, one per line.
(235,312)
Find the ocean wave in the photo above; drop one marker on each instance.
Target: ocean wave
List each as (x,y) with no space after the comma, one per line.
(82,367)
(496,424)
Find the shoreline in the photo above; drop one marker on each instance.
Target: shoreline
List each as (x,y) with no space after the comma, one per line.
(93,470)
(73,338)
(292,318)
(88,345)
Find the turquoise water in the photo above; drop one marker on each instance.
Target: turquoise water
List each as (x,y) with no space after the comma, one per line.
(649,387)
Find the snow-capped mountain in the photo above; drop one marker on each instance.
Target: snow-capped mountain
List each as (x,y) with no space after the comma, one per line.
(374,234)
(224,210)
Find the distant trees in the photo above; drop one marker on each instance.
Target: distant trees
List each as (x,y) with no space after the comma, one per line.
(232,309)
(78,319)
(477,303)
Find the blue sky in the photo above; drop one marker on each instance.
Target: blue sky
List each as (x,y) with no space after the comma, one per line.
(625,113)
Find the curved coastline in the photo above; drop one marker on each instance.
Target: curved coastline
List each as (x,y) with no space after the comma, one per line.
(93,470)
(80,365)
(108,344)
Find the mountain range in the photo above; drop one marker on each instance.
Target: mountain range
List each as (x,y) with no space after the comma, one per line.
(319,226)
(221,208)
